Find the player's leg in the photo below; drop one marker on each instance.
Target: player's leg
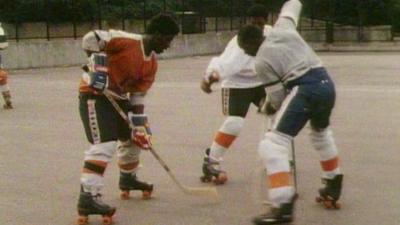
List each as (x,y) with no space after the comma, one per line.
(235,103)
(128,162)
(98,120)
(274,149)
(128,155)
(323,142)
(5,90)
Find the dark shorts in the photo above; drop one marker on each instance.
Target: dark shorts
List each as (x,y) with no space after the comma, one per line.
(311,98)
(101,121)
(236,101)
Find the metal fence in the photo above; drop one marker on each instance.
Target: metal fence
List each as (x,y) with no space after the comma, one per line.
(51,19)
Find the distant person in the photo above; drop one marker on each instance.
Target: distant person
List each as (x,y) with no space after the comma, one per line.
(240,88)
(4,88)
(130,64)
(299,90)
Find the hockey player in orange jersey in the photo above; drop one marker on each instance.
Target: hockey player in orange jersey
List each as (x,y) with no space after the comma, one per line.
(127,69)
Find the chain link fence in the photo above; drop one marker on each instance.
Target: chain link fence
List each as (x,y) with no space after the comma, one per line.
(322,21)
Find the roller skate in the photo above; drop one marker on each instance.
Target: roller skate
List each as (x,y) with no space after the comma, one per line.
(330,194)
(277,215)
(8,105)
(211,171)
(92,205)
(7,99)
(129,182)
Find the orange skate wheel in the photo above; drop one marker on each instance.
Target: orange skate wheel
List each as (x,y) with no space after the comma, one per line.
(124,195)
(107,220)
(146,195)
(221,179)
(328,204)
(83,220)
(337,205)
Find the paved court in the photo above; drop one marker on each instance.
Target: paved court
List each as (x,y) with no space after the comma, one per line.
(42,143)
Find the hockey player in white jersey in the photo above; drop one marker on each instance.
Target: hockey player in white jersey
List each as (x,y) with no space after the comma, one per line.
(4,88)
(299,90)
(240,88)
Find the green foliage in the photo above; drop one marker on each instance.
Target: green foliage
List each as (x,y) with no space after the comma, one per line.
(351,12)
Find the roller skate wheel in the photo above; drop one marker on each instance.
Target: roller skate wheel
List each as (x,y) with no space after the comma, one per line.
(83,220)
(337,205)
(146,195)
(125,195)
(205,179)
(328,204)
(221,179)
(318,199)
(107,220)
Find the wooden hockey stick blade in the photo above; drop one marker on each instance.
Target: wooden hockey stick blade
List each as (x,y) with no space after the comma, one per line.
(201,191)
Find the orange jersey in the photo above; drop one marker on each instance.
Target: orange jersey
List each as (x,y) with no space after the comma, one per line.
(129,70)
(3,77)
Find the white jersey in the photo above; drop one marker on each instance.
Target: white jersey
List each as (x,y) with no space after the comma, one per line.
(3,39)
(236,68)
(284,55)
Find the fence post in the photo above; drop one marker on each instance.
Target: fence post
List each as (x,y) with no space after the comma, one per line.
(99,15)
(203,21)
(182,16)
(16,20)
(216,16)
(329,24)
(360,35)
(312,12)
(46,2)
(144,15)
(123,15)
(74,18)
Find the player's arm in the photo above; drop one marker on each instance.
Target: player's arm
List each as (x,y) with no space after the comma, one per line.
(96,72)
(230,62)
(276,91)
(141,132)
(212,75)
(289,15)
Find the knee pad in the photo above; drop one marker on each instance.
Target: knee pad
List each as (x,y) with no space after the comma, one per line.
(92,183)
(232,125)
(101,152)
(323,142)
(127,152)
(274,150)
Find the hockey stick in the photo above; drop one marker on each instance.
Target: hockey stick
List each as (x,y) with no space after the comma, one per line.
(293,166)
(205,191)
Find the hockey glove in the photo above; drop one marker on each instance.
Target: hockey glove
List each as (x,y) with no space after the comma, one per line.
(98,81)
(141,133)
(208,81)
(98,72)
(266,106)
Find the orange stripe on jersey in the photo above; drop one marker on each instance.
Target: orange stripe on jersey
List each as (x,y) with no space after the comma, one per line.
(128,166)
(277,180)
(330,165)
(225,140)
